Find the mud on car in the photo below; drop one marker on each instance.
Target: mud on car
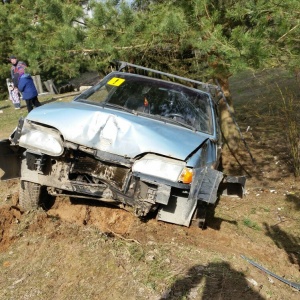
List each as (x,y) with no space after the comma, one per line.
(145,144)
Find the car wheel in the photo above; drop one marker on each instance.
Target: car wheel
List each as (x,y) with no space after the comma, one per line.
(30,195)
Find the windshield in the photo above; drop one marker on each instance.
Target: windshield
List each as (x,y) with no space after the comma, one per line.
(153,97)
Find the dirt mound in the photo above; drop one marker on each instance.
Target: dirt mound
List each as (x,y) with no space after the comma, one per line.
(107,219)
(9,216)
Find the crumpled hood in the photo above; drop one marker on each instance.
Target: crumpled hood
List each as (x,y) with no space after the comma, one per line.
(117,132)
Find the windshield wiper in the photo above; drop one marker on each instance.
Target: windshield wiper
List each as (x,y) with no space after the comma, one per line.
(106,104)
(166,119)
(180,123)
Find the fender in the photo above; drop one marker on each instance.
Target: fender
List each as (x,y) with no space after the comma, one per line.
(204,188)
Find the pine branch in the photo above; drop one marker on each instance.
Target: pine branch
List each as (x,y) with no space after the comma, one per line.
(99,50)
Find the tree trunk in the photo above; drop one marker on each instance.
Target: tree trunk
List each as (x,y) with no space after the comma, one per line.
(228,126)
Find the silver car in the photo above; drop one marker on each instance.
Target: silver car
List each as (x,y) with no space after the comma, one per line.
(145,144)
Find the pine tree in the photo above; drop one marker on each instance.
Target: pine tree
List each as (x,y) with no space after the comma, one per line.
(44,34)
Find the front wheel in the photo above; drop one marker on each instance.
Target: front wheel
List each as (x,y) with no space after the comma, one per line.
(30,195)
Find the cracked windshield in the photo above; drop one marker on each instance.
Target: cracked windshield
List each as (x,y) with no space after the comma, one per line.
(184,105)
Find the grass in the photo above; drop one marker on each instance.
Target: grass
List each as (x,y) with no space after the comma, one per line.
(251,224)
(9,116)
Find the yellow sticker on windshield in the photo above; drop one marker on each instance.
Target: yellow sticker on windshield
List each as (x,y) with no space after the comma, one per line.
(116,81)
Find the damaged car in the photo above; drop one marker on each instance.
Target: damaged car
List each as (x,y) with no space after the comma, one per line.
(148,145)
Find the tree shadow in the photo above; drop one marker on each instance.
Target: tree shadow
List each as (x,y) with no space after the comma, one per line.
(295,199)
(290,244)
(258,112)
(213,281)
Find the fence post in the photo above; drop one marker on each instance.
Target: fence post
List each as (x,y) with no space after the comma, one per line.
(38,83)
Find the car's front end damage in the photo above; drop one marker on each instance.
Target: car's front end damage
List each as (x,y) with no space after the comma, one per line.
(145,161)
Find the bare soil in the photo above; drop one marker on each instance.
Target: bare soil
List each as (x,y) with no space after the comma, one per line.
(79,251)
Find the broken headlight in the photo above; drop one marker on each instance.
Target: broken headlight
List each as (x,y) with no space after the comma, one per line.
(162,167)
(41,139)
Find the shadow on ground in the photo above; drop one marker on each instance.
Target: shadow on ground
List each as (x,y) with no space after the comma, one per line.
(290,244)
(216,281)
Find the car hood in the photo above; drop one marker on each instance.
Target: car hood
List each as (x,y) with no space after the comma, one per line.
(118,132)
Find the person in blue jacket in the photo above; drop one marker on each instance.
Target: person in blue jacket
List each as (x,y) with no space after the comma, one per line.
(29,92)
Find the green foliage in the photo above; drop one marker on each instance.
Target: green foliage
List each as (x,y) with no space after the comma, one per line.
(205,39)
(173,22)
(248,223)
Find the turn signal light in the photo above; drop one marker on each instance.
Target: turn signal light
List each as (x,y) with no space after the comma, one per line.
(186,175)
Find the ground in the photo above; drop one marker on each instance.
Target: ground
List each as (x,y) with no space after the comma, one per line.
(78,251)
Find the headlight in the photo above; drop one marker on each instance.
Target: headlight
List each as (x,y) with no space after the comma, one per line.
(47,142)
(165,168)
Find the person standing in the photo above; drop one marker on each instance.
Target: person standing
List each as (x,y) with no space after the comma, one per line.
(29,92)
(17,68)
(14,94)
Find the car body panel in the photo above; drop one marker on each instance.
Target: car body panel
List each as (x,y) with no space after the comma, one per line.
(117,132)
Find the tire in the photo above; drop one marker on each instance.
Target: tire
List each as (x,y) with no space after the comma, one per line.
(30,195)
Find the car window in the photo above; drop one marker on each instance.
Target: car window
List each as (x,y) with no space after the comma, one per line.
(155,97)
